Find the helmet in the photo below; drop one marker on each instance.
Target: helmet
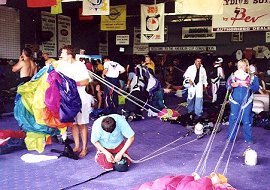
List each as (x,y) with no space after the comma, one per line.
(219,60)
(198,129)
(186,83)
(121,166)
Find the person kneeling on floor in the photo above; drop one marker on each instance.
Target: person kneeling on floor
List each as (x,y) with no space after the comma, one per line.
(108,136)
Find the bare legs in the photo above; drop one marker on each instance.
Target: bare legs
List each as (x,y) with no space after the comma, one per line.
(82,130)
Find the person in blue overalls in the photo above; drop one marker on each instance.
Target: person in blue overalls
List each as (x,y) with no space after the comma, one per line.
(243,84)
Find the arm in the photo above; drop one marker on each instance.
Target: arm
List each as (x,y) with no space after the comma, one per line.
(104,72)
(84,82)
(128,143)
(18,65)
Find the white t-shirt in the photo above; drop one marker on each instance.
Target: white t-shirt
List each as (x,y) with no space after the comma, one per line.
(78,72)
(114,69)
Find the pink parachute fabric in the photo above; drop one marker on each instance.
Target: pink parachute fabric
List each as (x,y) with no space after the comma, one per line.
(166,113)
(182,182)
(52,94)
(50,113)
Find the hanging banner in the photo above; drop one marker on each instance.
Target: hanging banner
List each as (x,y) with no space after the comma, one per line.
(199,32)
(64,31)
(103,43)
(184,49)
(49,25)
(138,47)
(116,20)
(94,7)
(247,16)
(152,23)
(199,7)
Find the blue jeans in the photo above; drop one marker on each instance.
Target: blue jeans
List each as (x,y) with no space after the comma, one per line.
(234,118)
(196,105)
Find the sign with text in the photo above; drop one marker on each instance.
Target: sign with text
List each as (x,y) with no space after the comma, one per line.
(184,48)
(138,47)
(200,32)
(122,39)
(250,15)
(64,31)
(152,23)
(49,25)
(116,20)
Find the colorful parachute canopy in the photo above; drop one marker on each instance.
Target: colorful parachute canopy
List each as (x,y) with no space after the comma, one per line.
(47,102)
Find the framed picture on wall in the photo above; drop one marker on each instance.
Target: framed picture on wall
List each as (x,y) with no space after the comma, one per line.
(237,37)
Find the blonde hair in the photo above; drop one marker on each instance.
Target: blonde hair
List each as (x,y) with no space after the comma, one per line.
(243,62)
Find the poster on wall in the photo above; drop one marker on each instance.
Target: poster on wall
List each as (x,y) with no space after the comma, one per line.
(248,16)
(122,39)
(64,31)
(138,47)
(48,22)
(152,23)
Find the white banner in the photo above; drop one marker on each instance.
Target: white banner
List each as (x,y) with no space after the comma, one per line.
(122,39)
(64,31)
(244,17)
(199,32)
(199,7)
(49,24)
(138,47)
(152,23)
(185,48)
(96,7)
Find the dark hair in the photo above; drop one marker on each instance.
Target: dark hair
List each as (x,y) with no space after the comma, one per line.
(70,50)
(108,124)
(28,52)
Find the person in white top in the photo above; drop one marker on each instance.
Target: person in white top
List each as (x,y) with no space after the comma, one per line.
(78,72)
(216,74)
(111,72)
(197,78)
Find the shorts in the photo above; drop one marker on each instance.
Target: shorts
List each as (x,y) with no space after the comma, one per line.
(83,116)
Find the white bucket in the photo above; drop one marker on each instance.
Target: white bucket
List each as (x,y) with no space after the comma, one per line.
(250,157)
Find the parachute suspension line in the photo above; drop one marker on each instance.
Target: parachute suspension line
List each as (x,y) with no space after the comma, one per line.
(124,93)
(236,124)
(151,155)
(202,163)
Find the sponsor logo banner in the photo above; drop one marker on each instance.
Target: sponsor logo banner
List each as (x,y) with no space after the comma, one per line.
(116,20)
(96,7)
(152,23)
(200,32)
(250,15)
(185,48)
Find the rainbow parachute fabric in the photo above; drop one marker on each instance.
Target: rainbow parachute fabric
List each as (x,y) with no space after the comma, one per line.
(43,105)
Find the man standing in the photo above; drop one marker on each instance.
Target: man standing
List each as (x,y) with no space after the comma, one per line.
(197,78)
(78,72)
(108,136)
(26,66)
(111,73)
(216,75)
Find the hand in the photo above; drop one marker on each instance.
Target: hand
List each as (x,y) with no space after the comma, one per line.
(118,157)
(109,157)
